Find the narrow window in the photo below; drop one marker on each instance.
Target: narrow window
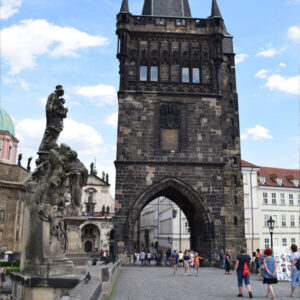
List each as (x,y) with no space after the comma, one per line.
(185,75)
(282,199)
(235,221)
(143,73)
(291,199)
(267,243)
(283,221)
(235,200)
(265,198)
(292,221)
(266,218)
(293,241)
(196,75)
(154,73)
(273,198)
(284,242)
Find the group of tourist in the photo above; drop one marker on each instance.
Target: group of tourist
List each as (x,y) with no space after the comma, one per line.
(266,264)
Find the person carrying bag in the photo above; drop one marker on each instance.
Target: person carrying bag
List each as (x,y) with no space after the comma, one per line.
(241,269)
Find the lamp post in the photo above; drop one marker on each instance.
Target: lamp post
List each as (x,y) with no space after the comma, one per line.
(271,224)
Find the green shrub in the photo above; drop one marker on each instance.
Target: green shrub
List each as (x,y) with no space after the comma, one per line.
(9,270)
(5,264)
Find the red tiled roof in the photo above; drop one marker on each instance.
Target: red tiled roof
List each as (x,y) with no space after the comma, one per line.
(247,164)
(271,174)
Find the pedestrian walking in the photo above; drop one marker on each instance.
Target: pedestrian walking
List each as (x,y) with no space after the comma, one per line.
(257,259)
(197,263)
(164,259)
(180,255)
(149,258)
(241,269)
(174,261)
(295,269)
(186,263)
(270,274)
(2,277)
(227,262)
(143,256)
(222,259)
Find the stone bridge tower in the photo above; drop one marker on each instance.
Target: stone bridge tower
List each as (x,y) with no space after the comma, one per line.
(178,129)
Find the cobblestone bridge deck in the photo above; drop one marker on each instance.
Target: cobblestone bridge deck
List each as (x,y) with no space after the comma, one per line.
(158,283)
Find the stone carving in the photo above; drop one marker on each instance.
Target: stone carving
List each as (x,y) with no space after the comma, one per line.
(28,164)
(55,113)
(20,156)
(59,177)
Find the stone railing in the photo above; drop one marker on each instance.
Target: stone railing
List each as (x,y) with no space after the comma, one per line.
(99,287)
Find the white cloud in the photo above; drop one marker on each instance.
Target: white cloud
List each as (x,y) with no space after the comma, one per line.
(38,37)
(261,74)
(112,120)
(16,82)
(244,136)
(240,57)
(259,133)
(101,94)
(9,8)
(271,52)
(284,84)
(294,33)
(81,137)
(282,65)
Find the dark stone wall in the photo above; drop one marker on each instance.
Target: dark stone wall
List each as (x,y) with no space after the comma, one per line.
(179,139)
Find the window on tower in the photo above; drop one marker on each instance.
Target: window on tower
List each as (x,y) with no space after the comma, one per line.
(143,73)
(185,75)
(154,73)
(196,75)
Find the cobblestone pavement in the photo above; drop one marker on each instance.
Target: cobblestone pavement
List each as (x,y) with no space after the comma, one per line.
(159,283)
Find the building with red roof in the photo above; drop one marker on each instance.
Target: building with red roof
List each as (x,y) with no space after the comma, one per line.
(270,192)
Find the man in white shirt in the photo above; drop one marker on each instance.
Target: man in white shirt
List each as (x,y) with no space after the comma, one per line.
(143,255)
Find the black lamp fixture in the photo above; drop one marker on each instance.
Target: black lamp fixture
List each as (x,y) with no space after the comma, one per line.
(271,224)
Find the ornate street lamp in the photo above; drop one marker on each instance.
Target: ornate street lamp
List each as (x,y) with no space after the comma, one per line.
(271,224)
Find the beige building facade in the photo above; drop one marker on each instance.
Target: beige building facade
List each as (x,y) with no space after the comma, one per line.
(271,192)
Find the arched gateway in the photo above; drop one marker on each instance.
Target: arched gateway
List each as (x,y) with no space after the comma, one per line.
(178,127)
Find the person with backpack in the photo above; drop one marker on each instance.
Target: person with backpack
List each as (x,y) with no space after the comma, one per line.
(270,274)
(295,268)
(242,270)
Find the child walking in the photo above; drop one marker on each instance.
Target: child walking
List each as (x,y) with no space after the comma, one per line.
(270,274)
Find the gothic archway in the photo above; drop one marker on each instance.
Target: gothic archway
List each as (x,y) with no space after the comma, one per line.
(191,203)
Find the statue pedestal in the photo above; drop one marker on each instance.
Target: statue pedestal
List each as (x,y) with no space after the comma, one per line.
(74,249)
(45,272)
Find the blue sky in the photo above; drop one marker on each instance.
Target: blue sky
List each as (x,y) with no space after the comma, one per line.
(73,43)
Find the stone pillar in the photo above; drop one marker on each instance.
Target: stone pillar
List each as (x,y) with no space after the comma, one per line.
(74,249)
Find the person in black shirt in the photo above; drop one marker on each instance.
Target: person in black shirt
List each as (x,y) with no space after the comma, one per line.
(227,262)
(241,260)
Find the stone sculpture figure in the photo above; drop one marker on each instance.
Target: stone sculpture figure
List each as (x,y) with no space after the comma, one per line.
(55,187)
(55,113)
(29,163)
(20,157)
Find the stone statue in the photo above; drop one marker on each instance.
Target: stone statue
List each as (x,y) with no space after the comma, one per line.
(92,168)
(107,178)
(29,163)
(55,113)
(103,210)
(103,176)
(54,189)
(20,159)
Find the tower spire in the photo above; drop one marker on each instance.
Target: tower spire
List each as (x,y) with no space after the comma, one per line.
(124,7)
(215,11)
